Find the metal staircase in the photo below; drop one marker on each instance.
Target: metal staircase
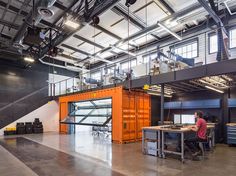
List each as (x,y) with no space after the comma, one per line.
(23,106)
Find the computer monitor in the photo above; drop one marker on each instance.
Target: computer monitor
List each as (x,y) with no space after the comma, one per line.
(184,119)
(177,119)
(187,119)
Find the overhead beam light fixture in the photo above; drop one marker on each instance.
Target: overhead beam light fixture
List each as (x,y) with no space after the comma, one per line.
(169,31)
(101,59)
(212,88)
(122,50)
(158,94)
(28,59)
(72,24)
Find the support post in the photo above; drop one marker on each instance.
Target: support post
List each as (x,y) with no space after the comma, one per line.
(162,103)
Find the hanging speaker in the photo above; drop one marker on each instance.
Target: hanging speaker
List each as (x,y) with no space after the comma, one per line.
(96,20)
(130,2)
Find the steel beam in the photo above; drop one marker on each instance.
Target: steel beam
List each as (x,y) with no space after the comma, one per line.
(8,24)
(88,41)
(25,2)
(120,10)
(100,8)
(6,36)
(211,12)
(75,49)
(190,85)
(12,9)
(107,32)
(60,6)
(167,6)
(62,37)
(155,26)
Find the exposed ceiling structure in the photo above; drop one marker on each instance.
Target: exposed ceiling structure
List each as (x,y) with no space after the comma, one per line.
(214,83)
(118,29)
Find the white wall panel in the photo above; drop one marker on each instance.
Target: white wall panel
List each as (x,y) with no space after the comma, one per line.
(48,114)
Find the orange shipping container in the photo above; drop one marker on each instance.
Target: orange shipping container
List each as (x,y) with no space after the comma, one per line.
(130,111)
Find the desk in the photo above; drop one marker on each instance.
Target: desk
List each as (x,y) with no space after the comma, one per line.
(157,134)
(151,134)
(181,131)
(170,130)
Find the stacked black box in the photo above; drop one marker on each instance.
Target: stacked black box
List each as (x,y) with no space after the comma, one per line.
(20,128)
(9,133)
(37,126)
(28,127)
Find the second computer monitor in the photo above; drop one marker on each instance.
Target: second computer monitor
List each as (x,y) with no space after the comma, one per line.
(184,119)
(188,119)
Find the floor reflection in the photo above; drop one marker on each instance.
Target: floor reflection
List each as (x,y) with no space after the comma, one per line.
(47,161)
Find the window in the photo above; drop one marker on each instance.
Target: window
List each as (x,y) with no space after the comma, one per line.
(149,57)
(133,63)
(213,43)
(96,75)
(187,50)
(232,37)
(126,65)
(110,70)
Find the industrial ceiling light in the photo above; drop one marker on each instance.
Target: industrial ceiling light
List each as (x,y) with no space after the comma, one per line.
(29,59)
(101,59)
(72,24)
(158,94)
(169,31)
(212,88)
(227,78)
(122,50)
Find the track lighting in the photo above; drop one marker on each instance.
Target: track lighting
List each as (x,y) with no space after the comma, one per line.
(72,24)
(169,31)
(212,88)
(28,59)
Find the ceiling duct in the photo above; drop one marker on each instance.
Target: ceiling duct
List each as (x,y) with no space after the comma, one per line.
(41,6)
(44,8)
(66,66)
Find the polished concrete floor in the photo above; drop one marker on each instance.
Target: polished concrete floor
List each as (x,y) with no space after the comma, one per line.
(83,154)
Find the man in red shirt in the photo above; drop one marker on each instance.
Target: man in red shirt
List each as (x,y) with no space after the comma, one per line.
(200,128)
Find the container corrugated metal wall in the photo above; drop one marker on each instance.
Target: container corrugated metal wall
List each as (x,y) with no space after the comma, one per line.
(136,114)
(131,111)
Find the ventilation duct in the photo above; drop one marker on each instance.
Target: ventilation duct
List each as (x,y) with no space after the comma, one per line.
(44,8)
(39,5)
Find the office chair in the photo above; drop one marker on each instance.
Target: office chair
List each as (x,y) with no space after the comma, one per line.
(202,145)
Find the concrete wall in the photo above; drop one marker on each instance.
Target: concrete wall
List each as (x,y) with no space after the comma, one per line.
(48,114)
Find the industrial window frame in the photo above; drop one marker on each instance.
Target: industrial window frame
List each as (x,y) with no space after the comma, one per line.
(95,77)
(209,43)
(109,70)
(173,48)
(129,64)
(145,58)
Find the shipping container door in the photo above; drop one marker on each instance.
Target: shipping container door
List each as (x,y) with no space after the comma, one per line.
(128,110)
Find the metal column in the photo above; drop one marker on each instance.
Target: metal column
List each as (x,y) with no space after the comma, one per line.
(162,103)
